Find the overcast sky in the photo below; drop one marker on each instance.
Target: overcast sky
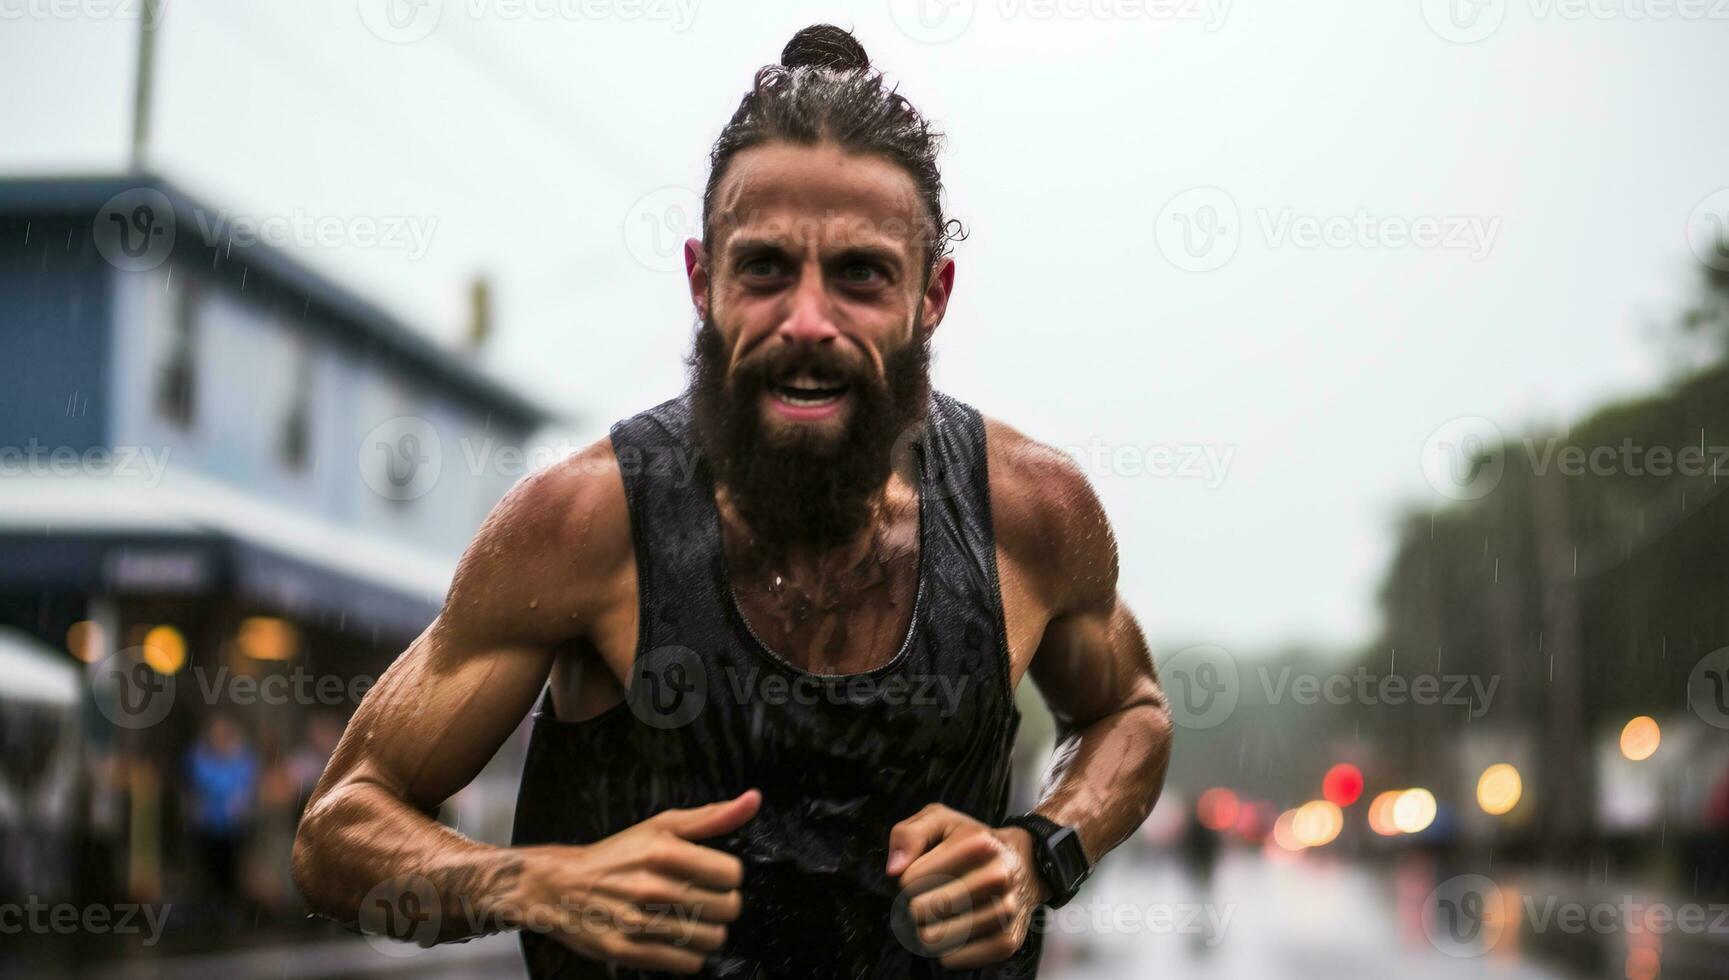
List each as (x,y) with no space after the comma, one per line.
(1282,242)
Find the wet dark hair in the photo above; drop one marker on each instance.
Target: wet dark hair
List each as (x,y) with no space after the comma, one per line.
(824,89)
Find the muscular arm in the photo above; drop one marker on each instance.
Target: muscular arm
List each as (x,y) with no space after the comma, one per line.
(1091,663)
(973,887)
(536,575)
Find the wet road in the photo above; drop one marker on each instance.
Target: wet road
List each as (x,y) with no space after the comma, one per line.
(1290,919)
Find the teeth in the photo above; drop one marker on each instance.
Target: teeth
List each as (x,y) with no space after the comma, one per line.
(793,397)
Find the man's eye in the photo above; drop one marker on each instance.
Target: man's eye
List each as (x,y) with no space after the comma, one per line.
(859,272)
(759,268)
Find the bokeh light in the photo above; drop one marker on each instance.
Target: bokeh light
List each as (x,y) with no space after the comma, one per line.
(165,649)
(1343,784)
(1217,809)
(1414,811)
(1499,789)
(1318,823)
(1639,740)
(1381,813)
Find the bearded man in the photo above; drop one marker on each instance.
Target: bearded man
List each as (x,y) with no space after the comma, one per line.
(776,685)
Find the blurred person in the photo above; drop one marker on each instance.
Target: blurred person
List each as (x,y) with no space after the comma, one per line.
(783,617)
(222,779)
(308,759)
(1199,850)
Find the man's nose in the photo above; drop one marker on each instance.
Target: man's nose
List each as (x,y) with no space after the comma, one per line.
(810,320)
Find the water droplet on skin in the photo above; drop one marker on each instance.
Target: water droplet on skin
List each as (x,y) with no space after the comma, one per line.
(534,603)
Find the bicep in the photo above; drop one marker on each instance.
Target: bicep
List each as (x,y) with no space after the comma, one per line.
(445,706)
(436,717)
(1093,662)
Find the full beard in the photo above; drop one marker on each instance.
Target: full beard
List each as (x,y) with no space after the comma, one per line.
(809,487)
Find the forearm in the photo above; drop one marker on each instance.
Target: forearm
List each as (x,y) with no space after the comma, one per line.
(1108,774)
(364,856)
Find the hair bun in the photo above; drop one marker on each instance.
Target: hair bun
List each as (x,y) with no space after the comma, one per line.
(825,46)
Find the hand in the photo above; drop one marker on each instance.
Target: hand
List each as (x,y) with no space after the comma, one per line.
(646,897)
(973,887)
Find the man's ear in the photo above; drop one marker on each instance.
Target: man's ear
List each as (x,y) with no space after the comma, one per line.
(937,292)
(696,270)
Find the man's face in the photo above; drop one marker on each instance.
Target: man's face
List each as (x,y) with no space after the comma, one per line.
(813,357)
(814,277)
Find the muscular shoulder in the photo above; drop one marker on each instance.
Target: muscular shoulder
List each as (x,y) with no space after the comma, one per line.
(1048,520)
(552,551)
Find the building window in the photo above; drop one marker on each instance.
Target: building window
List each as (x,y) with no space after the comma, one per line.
(294,437)
(177,371)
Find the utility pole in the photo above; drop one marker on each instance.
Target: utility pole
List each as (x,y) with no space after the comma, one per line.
(147,23)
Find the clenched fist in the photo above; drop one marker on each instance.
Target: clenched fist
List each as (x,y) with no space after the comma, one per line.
(646,897)
(971,888)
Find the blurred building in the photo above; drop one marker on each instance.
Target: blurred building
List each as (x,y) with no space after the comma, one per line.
(1587,582)
(216,467)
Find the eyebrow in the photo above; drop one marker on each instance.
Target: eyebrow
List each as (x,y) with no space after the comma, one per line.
(876,252)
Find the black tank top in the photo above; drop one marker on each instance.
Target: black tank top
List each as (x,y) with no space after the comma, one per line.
(840,759)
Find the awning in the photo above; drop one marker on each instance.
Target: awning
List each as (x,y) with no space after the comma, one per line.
(193,536)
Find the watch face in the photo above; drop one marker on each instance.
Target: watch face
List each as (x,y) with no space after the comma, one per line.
(1069,858)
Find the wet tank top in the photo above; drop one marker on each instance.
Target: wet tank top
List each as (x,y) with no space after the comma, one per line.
(840,759)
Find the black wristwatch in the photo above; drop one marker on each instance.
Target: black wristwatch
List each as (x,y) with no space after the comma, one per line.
(1058,856)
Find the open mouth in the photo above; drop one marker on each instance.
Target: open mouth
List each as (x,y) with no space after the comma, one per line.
(808,391)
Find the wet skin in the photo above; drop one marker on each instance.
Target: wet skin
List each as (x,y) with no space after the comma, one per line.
(811,245)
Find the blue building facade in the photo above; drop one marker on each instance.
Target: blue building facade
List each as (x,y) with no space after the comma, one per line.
(217,463)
